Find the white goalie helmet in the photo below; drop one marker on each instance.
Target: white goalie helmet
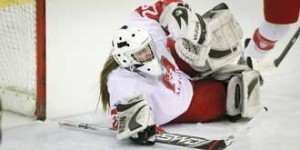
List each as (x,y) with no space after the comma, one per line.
(134,50)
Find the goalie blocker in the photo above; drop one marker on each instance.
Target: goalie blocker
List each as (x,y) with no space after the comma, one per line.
(136,121)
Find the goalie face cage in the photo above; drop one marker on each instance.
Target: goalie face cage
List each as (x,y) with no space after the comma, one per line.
(23,57)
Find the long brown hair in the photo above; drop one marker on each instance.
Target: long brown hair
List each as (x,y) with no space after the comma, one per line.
(108,67)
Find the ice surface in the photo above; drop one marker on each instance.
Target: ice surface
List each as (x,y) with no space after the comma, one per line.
(78,41)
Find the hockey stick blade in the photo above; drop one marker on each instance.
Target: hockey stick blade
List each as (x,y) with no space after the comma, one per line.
(178,139)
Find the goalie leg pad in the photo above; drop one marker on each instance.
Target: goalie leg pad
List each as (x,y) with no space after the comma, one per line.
(226,31)
(251,104)
(234,96)
(226,34)
(226,72)
(243,94)
(136,121)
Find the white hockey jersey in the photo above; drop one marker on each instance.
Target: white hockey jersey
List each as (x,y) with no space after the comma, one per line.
(168,97)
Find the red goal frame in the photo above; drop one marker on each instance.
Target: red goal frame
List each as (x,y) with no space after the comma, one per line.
(41,59)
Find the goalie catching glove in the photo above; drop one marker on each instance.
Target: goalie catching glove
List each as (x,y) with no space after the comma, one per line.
(136,121)
(189,27)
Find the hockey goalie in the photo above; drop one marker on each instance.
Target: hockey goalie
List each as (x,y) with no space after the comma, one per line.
(169,64)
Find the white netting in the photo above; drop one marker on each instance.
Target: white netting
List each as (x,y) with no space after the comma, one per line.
(18,55)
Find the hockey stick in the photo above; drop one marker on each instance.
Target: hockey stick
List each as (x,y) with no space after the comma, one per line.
(179,139)
(271,65)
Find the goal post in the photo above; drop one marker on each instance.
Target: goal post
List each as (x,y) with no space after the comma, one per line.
(41,59)
(23,57)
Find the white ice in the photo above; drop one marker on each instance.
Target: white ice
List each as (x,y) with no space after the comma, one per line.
(79,35)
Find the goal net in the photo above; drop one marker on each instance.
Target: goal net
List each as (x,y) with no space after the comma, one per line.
(23,57)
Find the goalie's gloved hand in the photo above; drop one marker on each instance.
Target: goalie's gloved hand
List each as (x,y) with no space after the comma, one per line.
(145,137)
